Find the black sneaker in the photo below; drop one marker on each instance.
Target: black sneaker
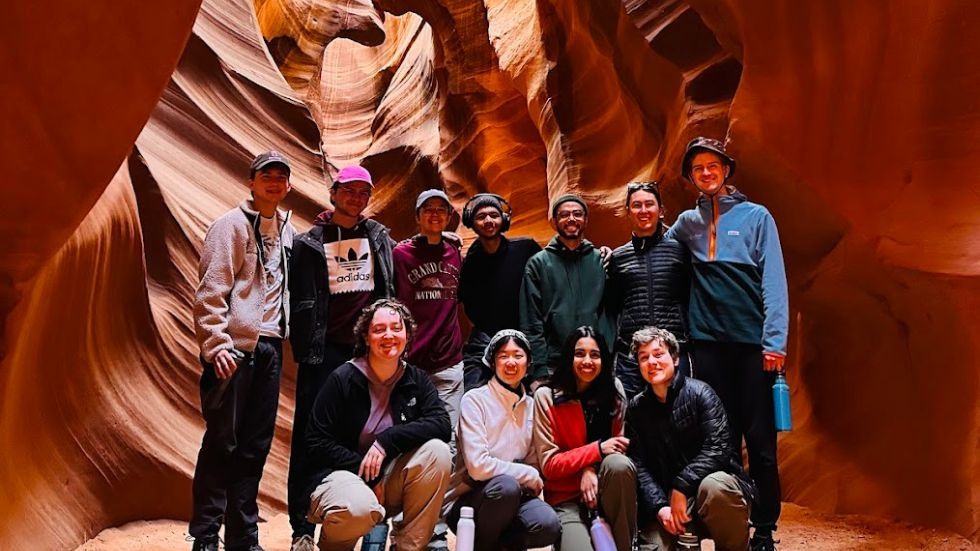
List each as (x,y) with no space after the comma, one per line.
(205,544)
(761,542)
(255,547)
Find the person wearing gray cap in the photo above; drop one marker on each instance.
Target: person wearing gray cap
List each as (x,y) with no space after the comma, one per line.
(426,280)
(739,314)
(241,316)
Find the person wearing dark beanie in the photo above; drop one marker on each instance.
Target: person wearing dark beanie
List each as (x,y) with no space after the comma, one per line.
(563,287)
(490,279)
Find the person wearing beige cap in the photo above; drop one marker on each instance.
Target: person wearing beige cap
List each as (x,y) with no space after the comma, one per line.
(241,316)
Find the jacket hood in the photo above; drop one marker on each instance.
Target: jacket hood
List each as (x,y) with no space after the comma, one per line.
(326,217)
(559,248)
(734,196)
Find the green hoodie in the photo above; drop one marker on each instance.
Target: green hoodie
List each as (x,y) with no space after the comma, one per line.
(562,290)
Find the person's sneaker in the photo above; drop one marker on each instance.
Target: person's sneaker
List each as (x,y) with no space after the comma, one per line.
(255,547)
(763,542)
(205,544)
(303,543)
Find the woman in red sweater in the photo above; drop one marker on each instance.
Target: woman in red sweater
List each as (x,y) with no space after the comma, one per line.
(578,435)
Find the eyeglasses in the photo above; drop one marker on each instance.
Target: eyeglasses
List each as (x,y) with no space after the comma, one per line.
(566,214)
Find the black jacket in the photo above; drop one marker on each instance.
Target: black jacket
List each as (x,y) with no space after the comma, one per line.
(677,443)
(309,292)
(342,407)
(649,283)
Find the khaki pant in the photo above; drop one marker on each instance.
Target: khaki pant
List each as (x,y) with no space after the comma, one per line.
(719,512)
(617,502)
(413,484)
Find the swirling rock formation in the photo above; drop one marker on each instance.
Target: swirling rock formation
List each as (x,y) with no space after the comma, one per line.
(855,123)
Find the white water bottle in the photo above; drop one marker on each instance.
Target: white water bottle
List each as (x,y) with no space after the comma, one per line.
(465,530)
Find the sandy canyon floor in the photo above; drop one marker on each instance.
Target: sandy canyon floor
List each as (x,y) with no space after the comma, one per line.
(800,529)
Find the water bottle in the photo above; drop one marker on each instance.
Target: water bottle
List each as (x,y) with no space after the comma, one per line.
(465,530)
(602,538)
(780,401)
(376,539)
(687,540)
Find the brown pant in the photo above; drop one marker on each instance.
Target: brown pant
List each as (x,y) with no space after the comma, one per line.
(413,484)
(617,501)
(719,512)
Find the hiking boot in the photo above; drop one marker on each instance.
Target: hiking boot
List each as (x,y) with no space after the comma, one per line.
(205,544)
(762,542)
(303,543)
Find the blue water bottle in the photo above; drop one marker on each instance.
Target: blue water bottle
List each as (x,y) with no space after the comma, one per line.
(780,401)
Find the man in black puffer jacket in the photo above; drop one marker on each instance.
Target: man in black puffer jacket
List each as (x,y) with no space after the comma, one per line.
(690,479)
(648,284)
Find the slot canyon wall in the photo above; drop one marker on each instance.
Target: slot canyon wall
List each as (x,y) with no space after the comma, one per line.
(856,123)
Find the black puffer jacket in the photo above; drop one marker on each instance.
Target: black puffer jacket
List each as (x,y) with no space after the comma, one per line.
(677,443)
(649,283)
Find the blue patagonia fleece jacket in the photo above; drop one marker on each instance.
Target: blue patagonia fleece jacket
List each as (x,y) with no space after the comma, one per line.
(738,291)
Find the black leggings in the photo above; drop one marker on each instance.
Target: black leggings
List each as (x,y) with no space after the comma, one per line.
(735,373)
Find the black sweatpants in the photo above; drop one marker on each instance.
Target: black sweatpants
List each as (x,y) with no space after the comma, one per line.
(310,378)
(475,374)
(240,418)
(734,371)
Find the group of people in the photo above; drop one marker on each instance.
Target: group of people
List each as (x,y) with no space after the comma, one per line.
(594,383)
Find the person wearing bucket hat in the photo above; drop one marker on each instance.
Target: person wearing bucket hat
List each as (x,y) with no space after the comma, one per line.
(739,314)
(340,266)
(563,286)
(490,279)
(497,466)
(241,315)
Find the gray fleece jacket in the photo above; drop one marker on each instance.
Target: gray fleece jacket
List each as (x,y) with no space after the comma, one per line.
(230,299)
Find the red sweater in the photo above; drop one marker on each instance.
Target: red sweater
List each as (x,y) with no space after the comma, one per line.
(560,442)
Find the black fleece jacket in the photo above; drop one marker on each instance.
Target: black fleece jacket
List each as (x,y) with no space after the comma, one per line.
(343,405)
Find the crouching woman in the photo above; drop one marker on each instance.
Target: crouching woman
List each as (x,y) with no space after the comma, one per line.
(689,475)
(496,467)
(578,434)
(378,435)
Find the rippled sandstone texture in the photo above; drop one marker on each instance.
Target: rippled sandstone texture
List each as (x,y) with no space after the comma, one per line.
(855,123)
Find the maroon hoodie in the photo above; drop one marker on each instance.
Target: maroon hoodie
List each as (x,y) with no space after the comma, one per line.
(427,280)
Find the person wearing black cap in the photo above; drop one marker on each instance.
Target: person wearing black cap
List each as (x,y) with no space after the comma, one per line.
(739,314)
(241,316)
(490,279)
(649,280)
(563,286)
